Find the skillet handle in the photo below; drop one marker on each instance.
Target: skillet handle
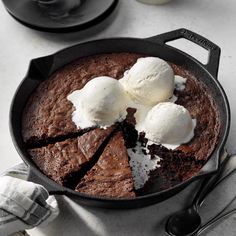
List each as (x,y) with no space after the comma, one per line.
(40,68)
(212,65)
(52,187)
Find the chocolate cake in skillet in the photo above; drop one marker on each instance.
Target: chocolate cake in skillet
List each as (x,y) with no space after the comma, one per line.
(47,119)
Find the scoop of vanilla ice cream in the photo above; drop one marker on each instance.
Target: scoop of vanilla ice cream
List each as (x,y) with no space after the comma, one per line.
(101,102)
(150,80)
(169,123)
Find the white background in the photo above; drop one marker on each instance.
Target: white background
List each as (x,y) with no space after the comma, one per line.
(214,19)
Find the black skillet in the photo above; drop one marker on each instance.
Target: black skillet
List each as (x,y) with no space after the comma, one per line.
(41,68)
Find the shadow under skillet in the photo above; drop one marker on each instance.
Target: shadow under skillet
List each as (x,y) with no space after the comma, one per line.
(76,220)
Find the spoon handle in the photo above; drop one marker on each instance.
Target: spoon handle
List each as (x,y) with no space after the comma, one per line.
(219,217)
(211,182)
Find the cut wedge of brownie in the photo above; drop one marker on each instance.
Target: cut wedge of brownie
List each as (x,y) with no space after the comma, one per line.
(67,161)
(111,176)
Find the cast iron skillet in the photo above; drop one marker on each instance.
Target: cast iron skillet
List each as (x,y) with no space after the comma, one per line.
(41,68)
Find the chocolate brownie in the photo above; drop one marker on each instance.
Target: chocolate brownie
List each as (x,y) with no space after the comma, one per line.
(47,118)
(111,176)
(65,162)
(48,112)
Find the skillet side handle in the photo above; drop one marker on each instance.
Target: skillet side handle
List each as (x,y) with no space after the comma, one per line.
(212,65)
(49,185)
(40,68)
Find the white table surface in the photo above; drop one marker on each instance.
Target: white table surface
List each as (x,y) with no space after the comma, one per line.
(216,20)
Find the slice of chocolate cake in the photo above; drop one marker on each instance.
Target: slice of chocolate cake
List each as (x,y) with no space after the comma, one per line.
(67,161)
(111,176)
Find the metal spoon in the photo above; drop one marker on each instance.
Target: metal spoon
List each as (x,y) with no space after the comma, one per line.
(188,222)
(219,217)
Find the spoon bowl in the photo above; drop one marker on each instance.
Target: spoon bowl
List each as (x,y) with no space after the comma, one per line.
(176,224)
